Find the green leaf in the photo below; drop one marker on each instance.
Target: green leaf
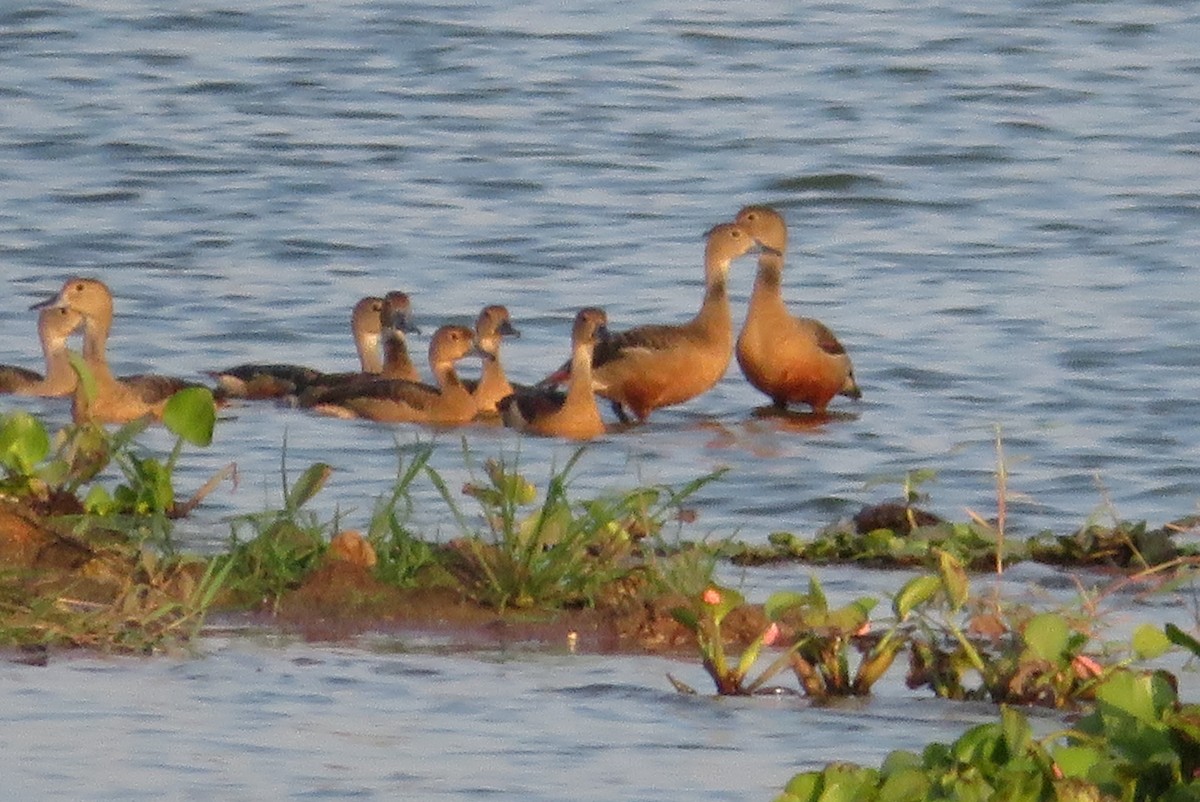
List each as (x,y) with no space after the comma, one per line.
(916,591)
(805,787)
(1181,638)
(23,442)
(905,785)
(1047,635)
(1077,761)
(954,579)
(846,782)
(1150,642)
(191,414)
(308,485)
(782,601)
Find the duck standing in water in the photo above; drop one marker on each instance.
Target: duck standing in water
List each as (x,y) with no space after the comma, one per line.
(653,366)
(793,360)
(399,401)
(55,325)
(573,415)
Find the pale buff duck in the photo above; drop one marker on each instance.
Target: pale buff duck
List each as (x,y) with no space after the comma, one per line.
(793,360)
(114,400)
(92,298)
(655,366)
(399,401)
(573,415)
(395,323)
(492,325)
(55,325)
(259,381)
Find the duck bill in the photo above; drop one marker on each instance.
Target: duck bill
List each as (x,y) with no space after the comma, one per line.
(53,300)
(508,330)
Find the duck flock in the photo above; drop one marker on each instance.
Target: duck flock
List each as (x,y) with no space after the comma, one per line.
(791,360)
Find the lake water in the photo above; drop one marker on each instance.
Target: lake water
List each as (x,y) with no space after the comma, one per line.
(994,205)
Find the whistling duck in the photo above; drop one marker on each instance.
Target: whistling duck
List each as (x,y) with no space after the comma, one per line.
(792,360)
(257,381)
(395,322)
(492,325)
(573,415)
(396,400)
(654,366)
(55,325)
(113,400)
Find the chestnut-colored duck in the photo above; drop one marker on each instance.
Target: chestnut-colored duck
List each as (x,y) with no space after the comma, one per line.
(116,400)
(655,366)
(399,401)
(492,325)
(793,360)
(55,325)
(394,324)
(261,381)
(573,415)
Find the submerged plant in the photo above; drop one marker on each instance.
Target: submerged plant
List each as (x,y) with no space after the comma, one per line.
(1140,743)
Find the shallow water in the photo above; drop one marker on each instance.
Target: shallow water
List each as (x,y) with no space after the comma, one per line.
(993,205)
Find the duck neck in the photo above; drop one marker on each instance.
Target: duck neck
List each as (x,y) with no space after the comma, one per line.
(395,355)
(58,363)
(95,339)
(767,283)
(367,344)
(714,312)
(579,388)
(492,375)
(447,377)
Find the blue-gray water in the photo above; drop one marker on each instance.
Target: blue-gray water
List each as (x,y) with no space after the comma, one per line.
(994,205)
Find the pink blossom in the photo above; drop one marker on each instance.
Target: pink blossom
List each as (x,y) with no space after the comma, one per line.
(771,635)
(1086,667)
(711,596)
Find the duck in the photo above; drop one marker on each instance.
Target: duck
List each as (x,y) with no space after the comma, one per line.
(107,399)
(399,401)
(395,323)
(791,360)
(493,324)
(267,381)
(654,366)
(55,325)
(574,414)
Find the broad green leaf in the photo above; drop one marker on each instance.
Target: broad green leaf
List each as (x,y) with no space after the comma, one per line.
(846,782)
(1077,761)
(805,787)
(1046,635)
(906,785)
(1018,735)
(1150,642)
(23,442)
(191,413)
(916,591)
(783,601)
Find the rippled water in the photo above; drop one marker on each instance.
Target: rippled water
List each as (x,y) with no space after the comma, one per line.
(994,205)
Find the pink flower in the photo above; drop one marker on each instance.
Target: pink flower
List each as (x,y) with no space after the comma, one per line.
(771,635)
(711,596)
(1085,667)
